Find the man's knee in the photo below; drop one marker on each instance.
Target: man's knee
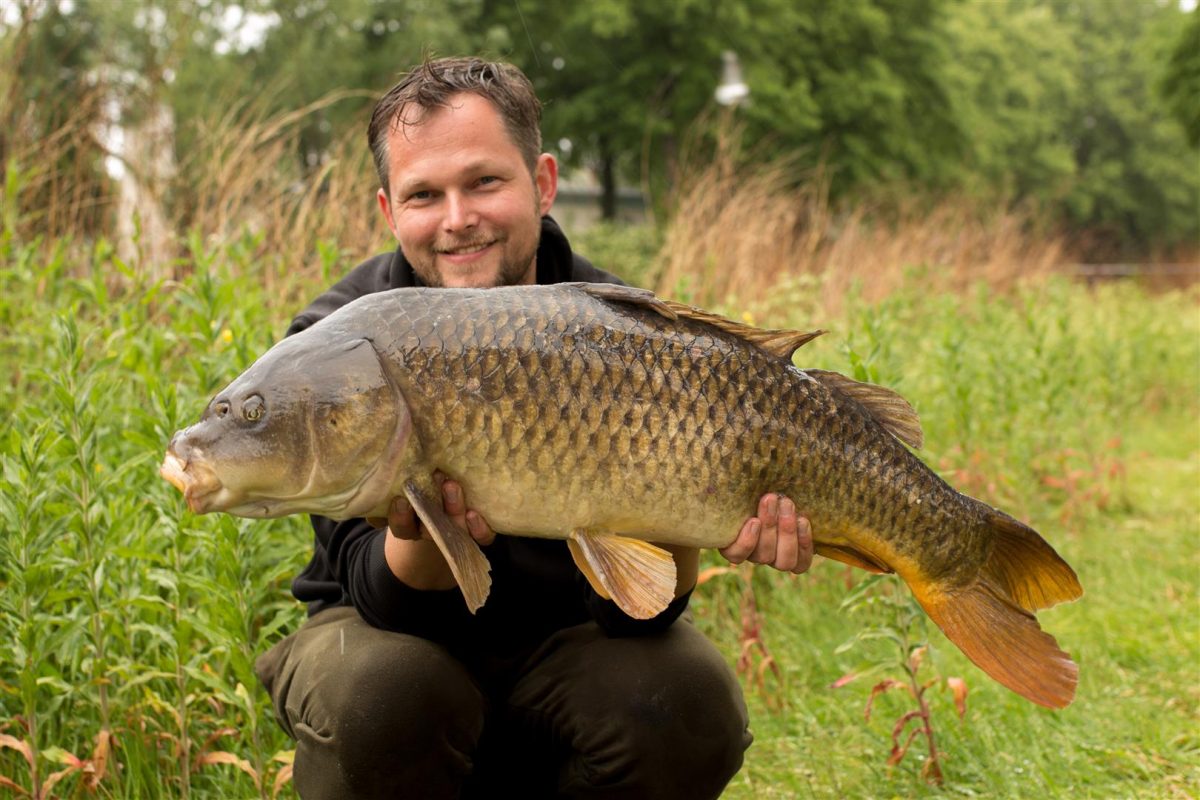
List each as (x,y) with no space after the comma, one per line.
(659,716)
(373,711)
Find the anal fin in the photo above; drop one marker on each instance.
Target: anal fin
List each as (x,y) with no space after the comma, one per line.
(467,562)
(636,575)
(848,555)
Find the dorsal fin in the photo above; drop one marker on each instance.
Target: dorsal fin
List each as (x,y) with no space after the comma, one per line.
(888,408)
(617,293)
(779,343)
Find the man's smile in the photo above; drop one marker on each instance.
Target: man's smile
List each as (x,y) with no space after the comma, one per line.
(464,252)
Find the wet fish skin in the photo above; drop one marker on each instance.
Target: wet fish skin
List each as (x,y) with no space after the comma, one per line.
(604,416)
(618,419)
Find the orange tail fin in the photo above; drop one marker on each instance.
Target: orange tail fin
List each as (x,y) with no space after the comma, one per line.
(992,622)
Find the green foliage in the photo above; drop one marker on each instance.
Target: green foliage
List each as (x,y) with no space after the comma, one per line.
(1075,410)
(1011,73)
(1136,180)
(1180,86)
(108,583)
(858,85)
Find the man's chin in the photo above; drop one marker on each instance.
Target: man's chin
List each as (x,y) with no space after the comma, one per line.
(477,276)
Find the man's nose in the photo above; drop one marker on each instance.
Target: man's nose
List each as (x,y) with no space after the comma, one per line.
(460,213)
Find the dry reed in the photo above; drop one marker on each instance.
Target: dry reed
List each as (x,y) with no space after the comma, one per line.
(240,181)
(737,233)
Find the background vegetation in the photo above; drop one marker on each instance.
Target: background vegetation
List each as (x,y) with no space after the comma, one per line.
(917,177)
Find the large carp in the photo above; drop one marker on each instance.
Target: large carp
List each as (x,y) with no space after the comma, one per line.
(611,418)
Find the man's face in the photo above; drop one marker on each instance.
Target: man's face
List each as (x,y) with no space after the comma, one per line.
(463,205)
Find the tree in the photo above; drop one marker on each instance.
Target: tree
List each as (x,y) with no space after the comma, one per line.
(1136,183)
(1011,72)
(859,85)
(1180,86)
(621,80)
(856,84)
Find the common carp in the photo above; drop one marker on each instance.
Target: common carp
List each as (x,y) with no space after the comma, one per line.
(613,419)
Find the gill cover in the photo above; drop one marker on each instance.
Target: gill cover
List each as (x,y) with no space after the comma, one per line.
(359,424)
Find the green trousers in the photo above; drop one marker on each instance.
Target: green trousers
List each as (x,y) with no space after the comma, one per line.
(386,715)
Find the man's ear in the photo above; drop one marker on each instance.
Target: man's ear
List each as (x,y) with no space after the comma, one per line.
(546,177)
(385,205)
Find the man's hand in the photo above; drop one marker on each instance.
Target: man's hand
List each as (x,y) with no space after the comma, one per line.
(410,552)
(776,537)
(403,523)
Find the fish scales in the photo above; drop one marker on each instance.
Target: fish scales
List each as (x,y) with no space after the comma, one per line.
(597,409)
(610,418)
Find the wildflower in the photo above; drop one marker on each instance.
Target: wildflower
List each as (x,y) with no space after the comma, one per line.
(226,335)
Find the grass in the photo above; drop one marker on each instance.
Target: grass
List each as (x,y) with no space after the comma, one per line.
(133,625)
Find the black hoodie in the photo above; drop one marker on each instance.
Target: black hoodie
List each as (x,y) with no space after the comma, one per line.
(536,588)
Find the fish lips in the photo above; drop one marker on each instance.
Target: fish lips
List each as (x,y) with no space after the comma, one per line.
(198,487)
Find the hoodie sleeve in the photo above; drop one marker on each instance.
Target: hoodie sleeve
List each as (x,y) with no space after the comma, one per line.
(354,550)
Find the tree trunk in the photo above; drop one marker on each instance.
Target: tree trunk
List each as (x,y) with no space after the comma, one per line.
(608,183)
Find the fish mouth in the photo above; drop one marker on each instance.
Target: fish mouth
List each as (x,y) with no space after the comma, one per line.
(196,486)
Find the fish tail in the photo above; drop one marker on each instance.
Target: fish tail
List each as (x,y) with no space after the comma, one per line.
(991,618)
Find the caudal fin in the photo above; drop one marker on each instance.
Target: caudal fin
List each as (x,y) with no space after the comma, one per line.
(991,619)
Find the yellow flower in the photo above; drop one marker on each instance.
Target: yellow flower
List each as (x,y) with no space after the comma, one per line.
(747,317)
(226,335)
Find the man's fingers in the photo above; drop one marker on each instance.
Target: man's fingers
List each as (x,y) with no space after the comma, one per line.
(805,550)
(479,529)
(768,512)
(452,499)
(401,521)
(455,503)
(787,545)
(740,549)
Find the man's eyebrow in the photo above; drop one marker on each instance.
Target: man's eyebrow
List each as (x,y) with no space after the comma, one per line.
(411,185)
(481,165)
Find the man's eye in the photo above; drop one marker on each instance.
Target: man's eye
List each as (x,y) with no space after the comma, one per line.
(422,195)
(486,179)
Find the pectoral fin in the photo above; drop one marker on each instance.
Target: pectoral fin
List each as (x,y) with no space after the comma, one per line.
(467,562)
(636,575)
(586,568)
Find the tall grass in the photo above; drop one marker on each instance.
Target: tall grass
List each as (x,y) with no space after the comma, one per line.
(745,231)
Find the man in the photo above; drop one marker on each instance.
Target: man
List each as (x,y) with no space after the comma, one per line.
(391,688)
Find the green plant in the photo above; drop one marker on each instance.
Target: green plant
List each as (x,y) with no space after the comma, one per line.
(899,621)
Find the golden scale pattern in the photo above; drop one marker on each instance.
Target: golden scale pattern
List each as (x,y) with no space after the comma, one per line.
(676,415)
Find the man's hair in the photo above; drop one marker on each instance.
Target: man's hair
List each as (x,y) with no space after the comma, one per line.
(431,85)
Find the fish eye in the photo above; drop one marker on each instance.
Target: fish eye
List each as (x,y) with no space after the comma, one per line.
(252,408)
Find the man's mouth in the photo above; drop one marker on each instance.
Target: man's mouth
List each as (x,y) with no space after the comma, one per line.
(464,249)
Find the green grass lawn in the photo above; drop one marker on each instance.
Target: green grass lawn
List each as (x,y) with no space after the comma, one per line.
(124,615)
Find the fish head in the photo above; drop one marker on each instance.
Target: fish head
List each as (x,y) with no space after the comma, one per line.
(311,427)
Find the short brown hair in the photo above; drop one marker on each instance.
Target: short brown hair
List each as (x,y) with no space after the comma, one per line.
(433,83)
